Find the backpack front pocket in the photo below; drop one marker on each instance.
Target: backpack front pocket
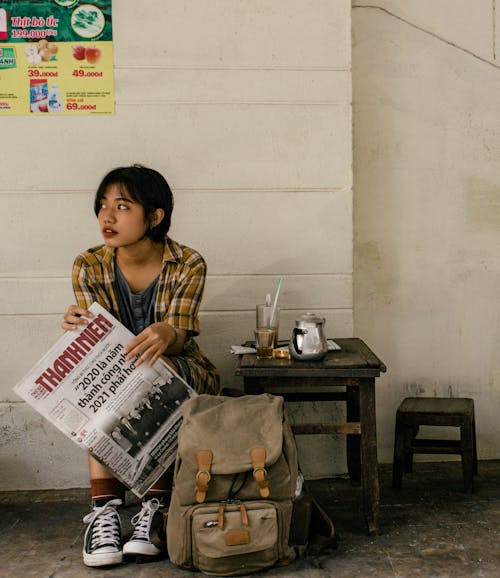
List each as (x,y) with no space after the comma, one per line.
(234,538)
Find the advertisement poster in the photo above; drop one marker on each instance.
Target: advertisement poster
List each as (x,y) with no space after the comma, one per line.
(56,57)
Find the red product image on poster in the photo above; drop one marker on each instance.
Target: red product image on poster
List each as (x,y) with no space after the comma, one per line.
(79,52)
(92,54)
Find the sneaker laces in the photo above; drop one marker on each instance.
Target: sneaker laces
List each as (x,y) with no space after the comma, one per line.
(104,525)
(142,521)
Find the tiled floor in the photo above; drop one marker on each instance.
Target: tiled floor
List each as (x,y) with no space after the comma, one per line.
(429,529)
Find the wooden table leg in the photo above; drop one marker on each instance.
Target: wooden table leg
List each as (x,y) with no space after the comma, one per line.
(369,471)
(353,440)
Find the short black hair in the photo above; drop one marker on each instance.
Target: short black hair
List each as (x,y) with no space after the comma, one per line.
(147,187)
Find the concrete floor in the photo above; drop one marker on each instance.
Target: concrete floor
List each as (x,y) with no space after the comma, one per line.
(429,529)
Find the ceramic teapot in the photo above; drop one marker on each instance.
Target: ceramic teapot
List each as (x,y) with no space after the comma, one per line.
(308,340)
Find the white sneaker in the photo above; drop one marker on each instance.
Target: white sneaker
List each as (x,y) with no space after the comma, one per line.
(103,538)
(148,538)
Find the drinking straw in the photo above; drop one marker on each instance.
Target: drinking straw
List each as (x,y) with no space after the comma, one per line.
(273,310)
(268,300)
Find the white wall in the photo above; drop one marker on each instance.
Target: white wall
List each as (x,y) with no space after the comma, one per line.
(245,106)
(426,81)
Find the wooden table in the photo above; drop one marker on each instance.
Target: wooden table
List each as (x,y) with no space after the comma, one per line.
(345,375)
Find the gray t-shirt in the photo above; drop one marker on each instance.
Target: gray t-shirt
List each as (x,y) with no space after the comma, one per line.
(136,309)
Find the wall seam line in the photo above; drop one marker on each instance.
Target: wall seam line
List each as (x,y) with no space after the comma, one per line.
(494,29)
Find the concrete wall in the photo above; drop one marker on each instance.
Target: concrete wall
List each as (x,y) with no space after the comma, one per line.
(426,81)
(245,105)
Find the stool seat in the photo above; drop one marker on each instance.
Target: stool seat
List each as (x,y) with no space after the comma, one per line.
(434,411)
(434,406)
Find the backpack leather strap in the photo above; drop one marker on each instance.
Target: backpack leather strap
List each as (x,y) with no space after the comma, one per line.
(258,456)
(220,517)
(204,459)
(244,515)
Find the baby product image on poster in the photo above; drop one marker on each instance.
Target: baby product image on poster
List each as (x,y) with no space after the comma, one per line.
(55,99)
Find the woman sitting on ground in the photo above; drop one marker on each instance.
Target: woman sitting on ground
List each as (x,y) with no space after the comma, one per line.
(154,286)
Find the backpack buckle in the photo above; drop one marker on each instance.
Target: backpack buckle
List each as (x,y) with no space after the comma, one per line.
(258,456)
(204,459)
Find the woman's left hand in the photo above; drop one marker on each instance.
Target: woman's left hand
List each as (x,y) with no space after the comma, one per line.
(153,342)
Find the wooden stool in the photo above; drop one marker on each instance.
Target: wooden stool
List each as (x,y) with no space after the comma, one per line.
(437,411)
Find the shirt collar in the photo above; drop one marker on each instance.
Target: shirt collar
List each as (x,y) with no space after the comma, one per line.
(172,251)
(108,256)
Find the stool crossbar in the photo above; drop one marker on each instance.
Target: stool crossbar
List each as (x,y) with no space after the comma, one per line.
(414,412)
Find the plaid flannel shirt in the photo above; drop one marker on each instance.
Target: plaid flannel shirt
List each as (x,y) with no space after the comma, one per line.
(178,298)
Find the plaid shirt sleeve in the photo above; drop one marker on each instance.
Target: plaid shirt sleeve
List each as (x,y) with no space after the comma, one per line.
(90,282)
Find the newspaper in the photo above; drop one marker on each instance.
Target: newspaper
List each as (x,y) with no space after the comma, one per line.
(127,417)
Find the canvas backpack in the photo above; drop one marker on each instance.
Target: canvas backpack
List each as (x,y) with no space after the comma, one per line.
(234,483)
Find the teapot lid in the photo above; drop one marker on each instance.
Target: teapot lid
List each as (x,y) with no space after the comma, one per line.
(310,318)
